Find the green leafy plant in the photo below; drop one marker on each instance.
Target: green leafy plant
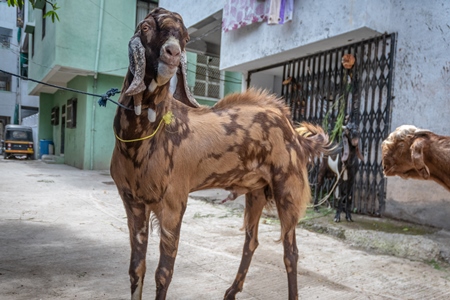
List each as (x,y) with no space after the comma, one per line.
(339,123)
(35,4)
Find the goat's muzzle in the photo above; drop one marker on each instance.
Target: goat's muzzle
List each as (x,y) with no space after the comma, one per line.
(169,60)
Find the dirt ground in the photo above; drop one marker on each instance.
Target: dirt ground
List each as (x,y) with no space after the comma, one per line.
(63,235)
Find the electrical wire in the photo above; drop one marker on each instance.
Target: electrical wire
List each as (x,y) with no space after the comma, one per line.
(101,101)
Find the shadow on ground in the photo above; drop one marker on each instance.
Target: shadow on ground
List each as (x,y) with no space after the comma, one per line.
(37,257)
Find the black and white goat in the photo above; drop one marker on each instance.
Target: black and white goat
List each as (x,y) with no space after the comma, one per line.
(342,164)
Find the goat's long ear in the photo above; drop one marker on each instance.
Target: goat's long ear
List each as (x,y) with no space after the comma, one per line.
(418,159)
(136,55)
(182,92)
(346,151)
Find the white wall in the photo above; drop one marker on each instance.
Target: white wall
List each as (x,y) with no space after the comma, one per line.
(33,122)
(193,11)
(422,98)
(336,22)
(8,60)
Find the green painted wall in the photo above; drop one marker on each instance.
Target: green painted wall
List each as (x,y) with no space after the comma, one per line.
(232,82)
(89,145)
(77,38)
(103,138)
(42,59)
(73,45)
(74,41)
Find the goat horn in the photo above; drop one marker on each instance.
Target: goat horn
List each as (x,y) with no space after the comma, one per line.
(421,132)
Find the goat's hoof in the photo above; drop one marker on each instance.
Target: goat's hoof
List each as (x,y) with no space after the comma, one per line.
(230,294)
(337,220)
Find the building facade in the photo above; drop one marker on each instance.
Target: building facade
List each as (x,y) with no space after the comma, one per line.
(85,51)
(15,103)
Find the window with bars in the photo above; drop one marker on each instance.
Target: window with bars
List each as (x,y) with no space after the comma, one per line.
(207,77)
(143,8)
(71,113)
(5,37)
(5,82)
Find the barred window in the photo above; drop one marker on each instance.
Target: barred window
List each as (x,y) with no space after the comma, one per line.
(5,82)
(207,79)
(5,37)
(143,9)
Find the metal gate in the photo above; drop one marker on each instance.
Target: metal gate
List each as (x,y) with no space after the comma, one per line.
(317,87)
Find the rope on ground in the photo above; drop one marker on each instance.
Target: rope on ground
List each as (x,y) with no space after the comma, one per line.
(324,199)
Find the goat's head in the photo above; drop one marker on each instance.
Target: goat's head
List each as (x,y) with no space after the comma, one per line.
(402,153)
(351,135)
(156,53)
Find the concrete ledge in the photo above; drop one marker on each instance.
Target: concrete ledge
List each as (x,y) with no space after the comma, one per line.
(52,159)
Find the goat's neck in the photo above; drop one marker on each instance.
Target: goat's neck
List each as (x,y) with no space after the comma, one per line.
(437,158)
(128,125)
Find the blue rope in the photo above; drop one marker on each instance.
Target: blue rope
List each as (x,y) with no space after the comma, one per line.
(110,93)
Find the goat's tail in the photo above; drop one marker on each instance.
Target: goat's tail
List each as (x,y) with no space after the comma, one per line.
(314,140)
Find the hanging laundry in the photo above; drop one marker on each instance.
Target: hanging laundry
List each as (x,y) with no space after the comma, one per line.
(239,13)
(280,11)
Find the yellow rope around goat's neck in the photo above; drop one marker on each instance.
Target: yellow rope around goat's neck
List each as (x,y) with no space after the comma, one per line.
(167,118)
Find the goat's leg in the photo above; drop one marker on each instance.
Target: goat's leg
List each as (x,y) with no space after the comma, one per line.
(348,207)
(170,218)
(254,204)
(338,199)
(348,202)
(138,220)
(289,216)
(290,262)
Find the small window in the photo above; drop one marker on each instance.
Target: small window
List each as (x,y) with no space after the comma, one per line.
(5,82)
(44,20)
(55,116)
(71,113)
(32,44)
(143,9)
(5,37)
(207,80)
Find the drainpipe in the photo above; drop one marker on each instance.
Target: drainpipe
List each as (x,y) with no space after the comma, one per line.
(97,57)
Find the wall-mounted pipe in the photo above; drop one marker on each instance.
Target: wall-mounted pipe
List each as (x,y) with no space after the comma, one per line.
(97,58)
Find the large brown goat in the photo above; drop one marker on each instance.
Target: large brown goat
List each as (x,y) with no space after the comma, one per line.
(169,146)
(410,152)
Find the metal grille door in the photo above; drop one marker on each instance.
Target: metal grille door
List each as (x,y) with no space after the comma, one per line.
(317,86)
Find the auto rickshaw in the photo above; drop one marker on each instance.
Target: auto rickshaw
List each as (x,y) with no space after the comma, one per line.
(18,142)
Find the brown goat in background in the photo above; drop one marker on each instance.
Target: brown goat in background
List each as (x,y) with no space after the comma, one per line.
(410,152)
(169,146)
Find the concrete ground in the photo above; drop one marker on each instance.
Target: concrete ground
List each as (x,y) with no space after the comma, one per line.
(63,235)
